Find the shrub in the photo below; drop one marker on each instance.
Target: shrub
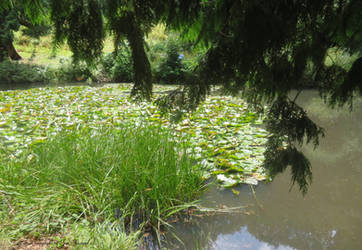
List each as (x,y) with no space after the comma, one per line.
(170,57)
(167,60)
(171,68)
(122,70)
(118,68)
(173,58)
(14,73)
(73,72)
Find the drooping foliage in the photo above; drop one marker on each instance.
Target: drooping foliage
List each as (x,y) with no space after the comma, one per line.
(266,49)
(33,9)
(30,14)
(81,24)
(263,49)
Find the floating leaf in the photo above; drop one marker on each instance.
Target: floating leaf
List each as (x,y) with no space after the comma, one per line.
(236,192)
(219,130)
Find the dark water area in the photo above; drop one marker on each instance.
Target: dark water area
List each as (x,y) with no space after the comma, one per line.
(328,217)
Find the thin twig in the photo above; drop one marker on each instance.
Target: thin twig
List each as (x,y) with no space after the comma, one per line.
(7,203)
(221,210)
(254,194)
(296,96)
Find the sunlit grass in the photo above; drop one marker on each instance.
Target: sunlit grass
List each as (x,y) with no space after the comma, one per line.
(92,176)
(42,52)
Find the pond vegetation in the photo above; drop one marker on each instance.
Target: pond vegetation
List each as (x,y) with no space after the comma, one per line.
(97,165)
(136,175)
(81,156)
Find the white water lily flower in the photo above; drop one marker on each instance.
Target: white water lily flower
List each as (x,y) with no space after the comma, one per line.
(251,181)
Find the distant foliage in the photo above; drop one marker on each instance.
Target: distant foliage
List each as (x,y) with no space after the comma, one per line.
(12,73)
(170,67)
(69,71)
(118,68)
(170,57)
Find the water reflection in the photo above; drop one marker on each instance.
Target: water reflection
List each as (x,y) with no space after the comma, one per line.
(328,217)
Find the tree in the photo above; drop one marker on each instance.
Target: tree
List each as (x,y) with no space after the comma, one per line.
(81,24)
(262,49)
(8,24)
(13,14)
(266,49)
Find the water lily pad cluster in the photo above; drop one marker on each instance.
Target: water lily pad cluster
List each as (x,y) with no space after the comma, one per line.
(226,138)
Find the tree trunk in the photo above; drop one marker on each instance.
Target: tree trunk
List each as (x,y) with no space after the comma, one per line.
(8,51)
(2,53)
(8,24)
(141,66)
(12,53)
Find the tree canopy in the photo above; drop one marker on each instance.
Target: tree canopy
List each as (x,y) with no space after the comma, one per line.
(266,49)
(262,49)
(30,14)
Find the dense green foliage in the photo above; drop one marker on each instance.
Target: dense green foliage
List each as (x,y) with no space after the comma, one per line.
(171,68)
(69,71)
(14,73)
(263,49)
(118,68)
(171,59)
(126,173)
(267,49)
(76,20)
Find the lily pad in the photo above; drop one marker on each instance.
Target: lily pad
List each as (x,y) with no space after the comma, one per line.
(220,131)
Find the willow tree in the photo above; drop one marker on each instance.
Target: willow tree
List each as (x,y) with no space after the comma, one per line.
(83,24)
(262,49)
(267,49)
(133,20)
(14,13)
(8,24)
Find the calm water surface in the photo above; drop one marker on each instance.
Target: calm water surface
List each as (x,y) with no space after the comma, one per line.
(328,217)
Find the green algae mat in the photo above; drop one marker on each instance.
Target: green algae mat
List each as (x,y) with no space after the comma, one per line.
(225,138)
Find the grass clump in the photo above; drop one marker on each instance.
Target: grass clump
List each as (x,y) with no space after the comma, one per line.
(96,176)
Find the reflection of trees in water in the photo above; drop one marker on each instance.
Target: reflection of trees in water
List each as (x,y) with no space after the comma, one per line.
(203,233)
(343,128)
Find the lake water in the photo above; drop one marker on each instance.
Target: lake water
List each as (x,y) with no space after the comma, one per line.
(328,217)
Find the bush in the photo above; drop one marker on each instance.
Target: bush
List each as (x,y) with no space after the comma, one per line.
(118,68)
(172,58)
(14,73)
(71,72)
(171,68)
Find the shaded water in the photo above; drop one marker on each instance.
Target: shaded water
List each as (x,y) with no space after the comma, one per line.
(328,217)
